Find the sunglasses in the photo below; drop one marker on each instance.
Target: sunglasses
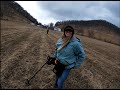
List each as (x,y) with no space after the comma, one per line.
(68,30)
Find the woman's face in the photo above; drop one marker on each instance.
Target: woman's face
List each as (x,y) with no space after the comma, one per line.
(68,33)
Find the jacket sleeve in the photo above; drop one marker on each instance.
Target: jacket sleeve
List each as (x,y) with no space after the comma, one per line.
(79,53)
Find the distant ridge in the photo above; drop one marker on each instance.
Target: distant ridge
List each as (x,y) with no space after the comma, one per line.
(97,29)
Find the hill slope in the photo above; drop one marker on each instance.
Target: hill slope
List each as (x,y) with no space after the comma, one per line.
(24,49)
(97,29)
(12,11)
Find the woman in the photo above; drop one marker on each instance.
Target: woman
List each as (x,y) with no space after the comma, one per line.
(69,53)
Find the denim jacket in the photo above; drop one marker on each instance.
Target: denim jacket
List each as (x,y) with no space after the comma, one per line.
(72,55)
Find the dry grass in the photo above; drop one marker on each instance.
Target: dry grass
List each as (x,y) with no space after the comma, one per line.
(24,49)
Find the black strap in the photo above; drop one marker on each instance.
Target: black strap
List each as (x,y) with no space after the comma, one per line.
(58,69)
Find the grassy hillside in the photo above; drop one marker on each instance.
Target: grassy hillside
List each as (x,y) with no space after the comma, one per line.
(24,49)
(97,29)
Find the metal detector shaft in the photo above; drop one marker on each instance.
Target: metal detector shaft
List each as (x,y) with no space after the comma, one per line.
(36,72)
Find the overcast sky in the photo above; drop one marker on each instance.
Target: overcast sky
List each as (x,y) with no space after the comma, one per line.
(52,11)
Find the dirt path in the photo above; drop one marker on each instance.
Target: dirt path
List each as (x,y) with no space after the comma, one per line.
(24,49)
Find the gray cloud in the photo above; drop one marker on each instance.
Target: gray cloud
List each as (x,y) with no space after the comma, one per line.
(83,10)
(114,8)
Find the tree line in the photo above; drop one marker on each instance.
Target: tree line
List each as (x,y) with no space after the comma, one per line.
(89,23)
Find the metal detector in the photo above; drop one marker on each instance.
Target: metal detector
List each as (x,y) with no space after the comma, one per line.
(27,82)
